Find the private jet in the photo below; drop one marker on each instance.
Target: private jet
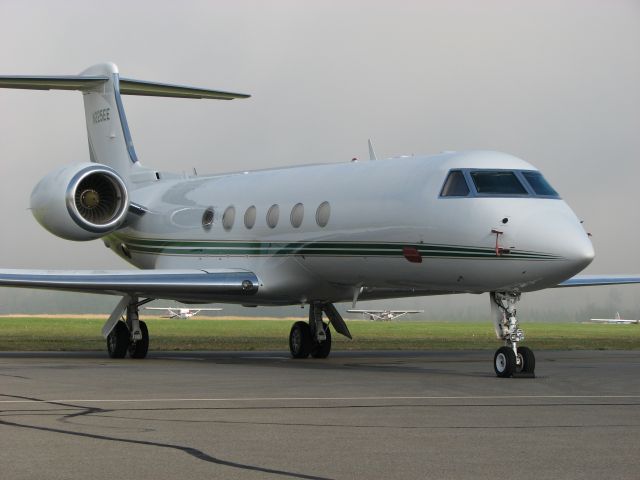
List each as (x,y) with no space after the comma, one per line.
(478,222)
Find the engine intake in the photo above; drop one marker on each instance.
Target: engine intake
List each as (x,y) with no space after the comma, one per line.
(81,202)
(98,198)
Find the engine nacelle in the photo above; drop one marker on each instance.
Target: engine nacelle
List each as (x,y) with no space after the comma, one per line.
(80,202)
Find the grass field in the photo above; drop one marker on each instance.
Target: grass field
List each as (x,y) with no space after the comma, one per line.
(66,334)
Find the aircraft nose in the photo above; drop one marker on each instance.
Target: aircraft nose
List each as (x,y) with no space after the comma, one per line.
(560,233)
(581,250)
(574,243)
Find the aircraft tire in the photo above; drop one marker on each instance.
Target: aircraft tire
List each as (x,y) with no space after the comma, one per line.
(528,360)
(140,348)
(300,342)
(118,341)
(504,362)
(322,349)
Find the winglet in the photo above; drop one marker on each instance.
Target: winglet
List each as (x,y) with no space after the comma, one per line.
(372,153)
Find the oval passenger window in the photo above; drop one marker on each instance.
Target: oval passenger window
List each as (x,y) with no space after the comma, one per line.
(297,214)
(250,217)
(273,215)
(322,214)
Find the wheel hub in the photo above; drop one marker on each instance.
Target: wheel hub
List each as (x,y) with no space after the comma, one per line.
(501,362)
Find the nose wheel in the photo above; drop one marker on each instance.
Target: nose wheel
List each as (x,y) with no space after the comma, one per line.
(504,362)
(511,359)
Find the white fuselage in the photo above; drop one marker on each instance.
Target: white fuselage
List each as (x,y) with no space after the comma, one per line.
(379,213)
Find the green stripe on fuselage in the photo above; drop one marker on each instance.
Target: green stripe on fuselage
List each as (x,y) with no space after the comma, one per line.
(314,248)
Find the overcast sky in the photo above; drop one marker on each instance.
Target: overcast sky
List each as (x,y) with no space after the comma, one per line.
(554,82)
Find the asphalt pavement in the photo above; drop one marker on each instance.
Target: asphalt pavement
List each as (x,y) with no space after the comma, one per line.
(360,415)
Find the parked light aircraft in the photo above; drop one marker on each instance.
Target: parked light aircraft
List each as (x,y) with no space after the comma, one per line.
(457,222)
(177,312)
(384,315)
(617,320)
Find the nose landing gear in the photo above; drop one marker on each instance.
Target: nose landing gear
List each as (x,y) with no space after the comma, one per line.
(511,359)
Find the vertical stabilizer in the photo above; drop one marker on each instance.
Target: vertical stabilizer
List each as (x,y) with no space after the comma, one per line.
(108,133)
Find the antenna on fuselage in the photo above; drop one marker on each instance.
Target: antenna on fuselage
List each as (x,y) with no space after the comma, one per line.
(372,152)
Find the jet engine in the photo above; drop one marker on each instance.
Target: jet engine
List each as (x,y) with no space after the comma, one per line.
(80,202)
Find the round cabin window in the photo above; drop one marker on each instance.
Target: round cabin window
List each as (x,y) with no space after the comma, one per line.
(297,214)
(207,218)
(228,217)
(322,214)
(273,215)
(250,217)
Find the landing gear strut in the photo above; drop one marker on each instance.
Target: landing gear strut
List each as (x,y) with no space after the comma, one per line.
(127,334)
(314,338)
(510,359)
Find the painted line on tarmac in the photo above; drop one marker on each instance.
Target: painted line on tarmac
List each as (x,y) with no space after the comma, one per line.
(305,399)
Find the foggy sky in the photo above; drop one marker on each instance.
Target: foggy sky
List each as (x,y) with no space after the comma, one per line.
(554,82)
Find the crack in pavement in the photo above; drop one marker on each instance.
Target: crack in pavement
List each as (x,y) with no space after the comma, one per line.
(194,452)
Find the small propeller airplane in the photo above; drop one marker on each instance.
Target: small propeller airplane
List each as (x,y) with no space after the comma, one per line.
(178,312)
(616,320)
(455,222)
(384,315)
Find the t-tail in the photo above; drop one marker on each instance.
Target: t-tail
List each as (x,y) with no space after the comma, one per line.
(91,199)
(110,141)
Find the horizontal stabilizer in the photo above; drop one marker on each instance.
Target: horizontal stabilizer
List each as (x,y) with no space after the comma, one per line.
(66,82)
(127,86)
(139,87)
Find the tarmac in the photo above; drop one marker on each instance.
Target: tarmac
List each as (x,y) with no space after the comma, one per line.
(355,415)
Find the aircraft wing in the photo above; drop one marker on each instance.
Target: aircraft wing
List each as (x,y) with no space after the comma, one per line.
(211,285)
(593,280)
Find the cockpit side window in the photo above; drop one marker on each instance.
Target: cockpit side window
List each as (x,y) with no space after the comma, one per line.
(497,183)
(455,185)
(538,184)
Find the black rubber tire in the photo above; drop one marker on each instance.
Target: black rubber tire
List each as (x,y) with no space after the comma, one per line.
(504,362)
(140,348)
(118,341)
(300,342)
(322,349)
(528,360)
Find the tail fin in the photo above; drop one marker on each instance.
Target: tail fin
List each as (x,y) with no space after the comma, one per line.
(108,133)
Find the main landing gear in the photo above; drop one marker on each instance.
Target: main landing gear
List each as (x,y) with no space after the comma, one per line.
(511,359)
(127,334)
(314,337)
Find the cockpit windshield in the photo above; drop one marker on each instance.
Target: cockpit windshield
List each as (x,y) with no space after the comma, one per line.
(539,185)
(496,183)
(455,185)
